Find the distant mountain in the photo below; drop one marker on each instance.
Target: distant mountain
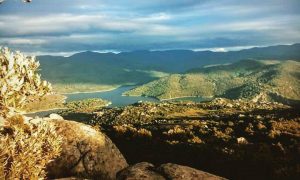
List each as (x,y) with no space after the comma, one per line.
(91,71)
(250,79)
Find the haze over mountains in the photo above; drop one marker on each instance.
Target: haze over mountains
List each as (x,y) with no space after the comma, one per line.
(91,71)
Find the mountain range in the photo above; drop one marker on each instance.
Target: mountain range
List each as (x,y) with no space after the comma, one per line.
(92,71)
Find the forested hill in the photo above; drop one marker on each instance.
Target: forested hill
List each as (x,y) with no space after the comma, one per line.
(89,71)
(250,79)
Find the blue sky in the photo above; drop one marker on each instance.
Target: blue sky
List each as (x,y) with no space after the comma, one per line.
(68,26)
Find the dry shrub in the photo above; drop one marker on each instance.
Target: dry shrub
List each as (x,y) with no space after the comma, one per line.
(26,149)
(144,133)
(131,131)
(178,133)
(19,79)
(195,140)
(122,129)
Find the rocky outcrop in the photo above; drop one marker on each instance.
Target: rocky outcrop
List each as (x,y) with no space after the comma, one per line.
(89,154)
(146,170)
(225,136)
(86,153)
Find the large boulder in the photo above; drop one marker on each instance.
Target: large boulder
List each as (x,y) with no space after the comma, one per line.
(86,153)
(146,170)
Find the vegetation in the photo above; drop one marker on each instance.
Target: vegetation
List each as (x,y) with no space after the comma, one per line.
(47,102)
(87,72)
(247,79)
(248,140)
(26,149)
(83,110)
(87,105)
(90,71)
(241,136)
(19,80)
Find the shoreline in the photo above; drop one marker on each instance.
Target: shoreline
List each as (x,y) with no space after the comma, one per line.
(174,98)
(52,109)
(86,92)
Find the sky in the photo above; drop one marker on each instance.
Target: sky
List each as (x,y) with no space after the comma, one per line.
(70,26)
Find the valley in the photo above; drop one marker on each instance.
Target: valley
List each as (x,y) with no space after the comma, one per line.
(154,90)
(91,71)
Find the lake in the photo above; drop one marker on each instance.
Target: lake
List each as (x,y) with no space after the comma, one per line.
(115,96)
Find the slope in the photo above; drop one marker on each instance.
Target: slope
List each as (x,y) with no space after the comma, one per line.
(250,79)
(91,71)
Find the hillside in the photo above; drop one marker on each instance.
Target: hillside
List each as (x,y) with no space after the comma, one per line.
(91,71)
(235,139)
(250,79)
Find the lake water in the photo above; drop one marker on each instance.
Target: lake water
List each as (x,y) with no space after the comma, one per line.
(115,96)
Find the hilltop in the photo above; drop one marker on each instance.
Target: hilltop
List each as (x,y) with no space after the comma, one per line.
(233,138)
(249,79)
(92,71)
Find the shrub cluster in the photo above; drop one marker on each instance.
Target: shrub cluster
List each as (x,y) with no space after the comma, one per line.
(26,149)
(19,79)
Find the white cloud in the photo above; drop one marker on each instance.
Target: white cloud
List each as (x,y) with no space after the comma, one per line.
(118,24)
(219,50)
(157,17)
(22,41)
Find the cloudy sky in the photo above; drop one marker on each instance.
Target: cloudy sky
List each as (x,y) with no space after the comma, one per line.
(68,26)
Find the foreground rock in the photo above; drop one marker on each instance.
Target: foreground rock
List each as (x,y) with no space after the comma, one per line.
(146,170)
(85,153)
(178,172)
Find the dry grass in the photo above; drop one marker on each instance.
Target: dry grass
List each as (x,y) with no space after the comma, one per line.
(46,102)
(26,149)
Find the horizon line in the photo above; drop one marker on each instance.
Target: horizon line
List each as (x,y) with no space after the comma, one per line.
(214,49)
